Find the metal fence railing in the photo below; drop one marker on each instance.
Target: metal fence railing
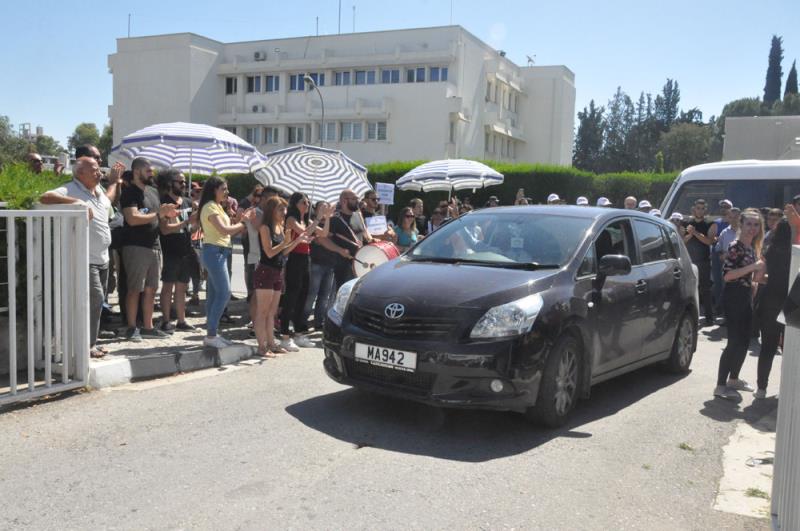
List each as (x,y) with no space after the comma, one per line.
(46,302)
(786,478)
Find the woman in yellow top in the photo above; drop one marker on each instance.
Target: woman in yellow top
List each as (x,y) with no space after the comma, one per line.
(217,231)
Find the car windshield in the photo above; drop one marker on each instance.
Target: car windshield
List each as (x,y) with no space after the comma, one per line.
(505,239)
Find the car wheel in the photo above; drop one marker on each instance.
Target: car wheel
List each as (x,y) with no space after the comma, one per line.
(558,392)
(683,347)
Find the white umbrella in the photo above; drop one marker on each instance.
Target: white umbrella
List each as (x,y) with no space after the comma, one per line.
(449,174)
(320,173)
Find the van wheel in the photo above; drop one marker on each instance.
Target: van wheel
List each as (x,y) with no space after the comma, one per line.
(558,392)
(683,347)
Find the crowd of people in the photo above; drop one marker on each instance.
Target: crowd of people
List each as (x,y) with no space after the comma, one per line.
(147,229)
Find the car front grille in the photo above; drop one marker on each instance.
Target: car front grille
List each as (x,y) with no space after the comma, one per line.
(419,383)
(405,327)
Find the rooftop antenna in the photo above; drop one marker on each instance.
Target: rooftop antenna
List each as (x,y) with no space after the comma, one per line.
(451,12)
(129,25)
(354,19)
(531,61)
(340,17)
(317,26)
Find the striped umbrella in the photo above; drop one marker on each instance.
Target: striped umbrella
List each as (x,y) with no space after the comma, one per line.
(447,175)
(196,148)
(320,173)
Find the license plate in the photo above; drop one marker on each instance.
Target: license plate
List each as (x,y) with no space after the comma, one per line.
(386,357)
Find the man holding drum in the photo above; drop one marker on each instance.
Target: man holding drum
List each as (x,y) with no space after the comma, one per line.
(342,242)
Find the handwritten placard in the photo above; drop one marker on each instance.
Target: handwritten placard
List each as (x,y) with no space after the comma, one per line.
(376,225)
(385,193)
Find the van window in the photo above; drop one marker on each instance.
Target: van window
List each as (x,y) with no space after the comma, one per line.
(743,194)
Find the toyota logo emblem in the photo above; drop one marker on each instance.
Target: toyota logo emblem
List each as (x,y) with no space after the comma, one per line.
(394,310)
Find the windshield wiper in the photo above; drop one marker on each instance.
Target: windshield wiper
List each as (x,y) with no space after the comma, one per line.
(435,259)
(530,266)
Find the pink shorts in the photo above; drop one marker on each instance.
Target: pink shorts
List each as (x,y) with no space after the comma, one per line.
(266,277)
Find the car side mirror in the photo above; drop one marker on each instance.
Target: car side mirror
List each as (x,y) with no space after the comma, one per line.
(612,265)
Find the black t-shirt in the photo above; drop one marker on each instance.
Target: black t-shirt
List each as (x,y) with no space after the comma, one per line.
(367,214)
(146,201)
(698,251)
(277,261)
(178,244)
(422,225)
(342,234)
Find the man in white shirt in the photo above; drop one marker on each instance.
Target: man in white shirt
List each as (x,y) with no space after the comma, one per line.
(84,189)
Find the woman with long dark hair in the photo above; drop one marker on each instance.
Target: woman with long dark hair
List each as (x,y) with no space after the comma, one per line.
(268,276)
(772,296)
(738,268)
(217,231)
(297,271)
(407,234)
(320,284)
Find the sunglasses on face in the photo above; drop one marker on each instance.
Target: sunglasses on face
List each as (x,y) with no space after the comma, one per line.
(409,216)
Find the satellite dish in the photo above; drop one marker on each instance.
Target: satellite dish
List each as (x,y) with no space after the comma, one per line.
(531,62)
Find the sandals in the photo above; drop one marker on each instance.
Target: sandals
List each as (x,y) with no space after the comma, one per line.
(265,353)
(96,353)
(104,350)
(277,349)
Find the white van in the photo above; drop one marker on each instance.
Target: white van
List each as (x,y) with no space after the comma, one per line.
(746,183)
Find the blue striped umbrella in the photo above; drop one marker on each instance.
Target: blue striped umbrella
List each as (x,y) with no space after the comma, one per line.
(320,173)
(447,175)
(196,148)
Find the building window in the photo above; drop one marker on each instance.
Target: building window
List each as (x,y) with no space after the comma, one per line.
(230,129)
(296,82)
(494,143)
(253,84)
(341,78)
(391,75)
(365,77)
(329,132)
(486,142)
(376,130)
(512,149)
(251,135)
(488,91)
(436,73)
(351,131)
(273,83)
(420,75)
(452,132)
(230,85)
(318,77)
(270,135)
(297,134)
(443,76)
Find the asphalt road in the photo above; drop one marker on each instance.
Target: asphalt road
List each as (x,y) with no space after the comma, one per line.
(277,445)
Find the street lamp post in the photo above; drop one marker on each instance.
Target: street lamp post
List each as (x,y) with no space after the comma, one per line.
(308,79)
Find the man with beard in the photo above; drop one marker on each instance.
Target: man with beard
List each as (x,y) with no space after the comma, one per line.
(141,253)
(342,243)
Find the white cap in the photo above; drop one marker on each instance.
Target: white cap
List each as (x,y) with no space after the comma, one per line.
(603,201)
(676,216)
(726,202)
(655,212)
(553,198)
(582,201)
(644,203)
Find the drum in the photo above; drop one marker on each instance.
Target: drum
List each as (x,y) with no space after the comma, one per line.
(372,255)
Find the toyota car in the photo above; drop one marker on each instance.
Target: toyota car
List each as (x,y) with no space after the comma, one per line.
(518,308)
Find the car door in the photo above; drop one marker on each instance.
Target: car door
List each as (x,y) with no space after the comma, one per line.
(618,308)
(661,276)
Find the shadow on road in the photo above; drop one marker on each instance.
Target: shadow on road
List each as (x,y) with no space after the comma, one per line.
(370,420)
(754,414)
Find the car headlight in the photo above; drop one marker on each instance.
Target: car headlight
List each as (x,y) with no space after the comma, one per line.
(511,319)
(336,313)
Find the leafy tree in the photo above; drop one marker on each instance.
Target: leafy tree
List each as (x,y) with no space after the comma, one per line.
(659,162)
(791,81)
(618,124)
(685,145)
(47,145)
(589,139)
(106,141)
(666,106)
(692,116)
(772,87)
(85,133)
(790,106)
(12,148)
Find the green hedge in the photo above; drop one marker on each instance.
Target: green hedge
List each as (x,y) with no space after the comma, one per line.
(20,187)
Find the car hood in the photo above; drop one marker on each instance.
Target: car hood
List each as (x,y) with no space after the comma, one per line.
(446,285)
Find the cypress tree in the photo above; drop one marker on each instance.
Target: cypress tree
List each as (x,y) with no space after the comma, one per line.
(772,88)
(791,81)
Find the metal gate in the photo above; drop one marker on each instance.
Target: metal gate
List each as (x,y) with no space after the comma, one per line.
(44,301)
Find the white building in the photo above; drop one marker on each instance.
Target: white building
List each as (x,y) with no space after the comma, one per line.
(762,137)
(392,95)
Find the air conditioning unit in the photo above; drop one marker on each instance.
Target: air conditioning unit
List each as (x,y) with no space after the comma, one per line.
(260,56)
(255,108)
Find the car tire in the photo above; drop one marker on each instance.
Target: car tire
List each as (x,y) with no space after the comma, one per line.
(680,357)
(559,388)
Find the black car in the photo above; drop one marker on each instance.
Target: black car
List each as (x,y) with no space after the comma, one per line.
(518,308)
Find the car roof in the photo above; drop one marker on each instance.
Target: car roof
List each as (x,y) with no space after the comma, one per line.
(587,212)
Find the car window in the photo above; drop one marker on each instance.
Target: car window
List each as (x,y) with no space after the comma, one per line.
(652,245)
(615,238)
(589,263)
(672,250)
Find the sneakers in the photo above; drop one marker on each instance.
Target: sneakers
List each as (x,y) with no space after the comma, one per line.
(154,333)
(740,385)
(760,394)
(133,335)
(722,391)
(289,345)
(183,326)
(168,328)
(215,342)
(304,342)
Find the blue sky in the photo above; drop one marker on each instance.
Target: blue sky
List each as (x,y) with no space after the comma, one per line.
(55,52)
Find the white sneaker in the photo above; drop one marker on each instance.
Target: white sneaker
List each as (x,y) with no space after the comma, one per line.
(289,345)
(215,342)
(304,342)
(760,394)
(725,392)
(740,385)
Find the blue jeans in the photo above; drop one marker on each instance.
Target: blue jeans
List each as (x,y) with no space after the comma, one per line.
(320,285)
(218,290)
